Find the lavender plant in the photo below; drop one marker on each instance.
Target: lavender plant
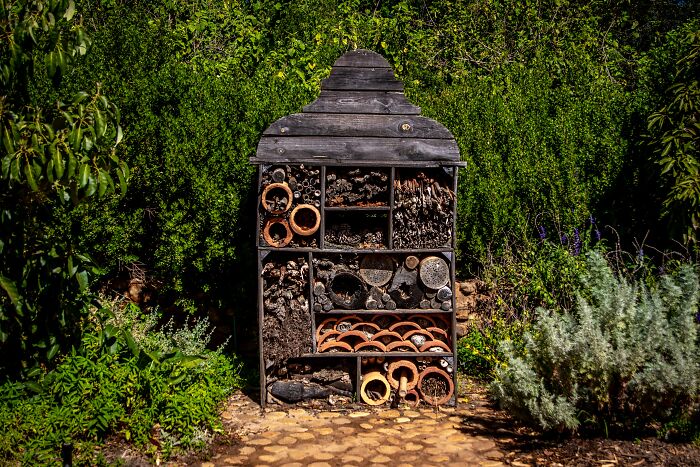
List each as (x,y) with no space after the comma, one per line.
(626,356)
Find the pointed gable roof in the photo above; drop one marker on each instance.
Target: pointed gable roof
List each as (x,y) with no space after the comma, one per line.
(361,117)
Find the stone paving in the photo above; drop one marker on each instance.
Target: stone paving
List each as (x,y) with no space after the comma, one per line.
(324,438)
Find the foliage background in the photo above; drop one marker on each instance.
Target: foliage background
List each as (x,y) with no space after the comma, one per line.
(547,99)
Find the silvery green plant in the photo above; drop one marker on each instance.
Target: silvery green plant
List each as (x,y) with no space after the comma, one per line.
(627,355)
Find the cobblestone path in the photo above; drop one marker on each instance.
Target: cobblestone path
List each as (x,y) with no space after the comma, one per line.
(324,438)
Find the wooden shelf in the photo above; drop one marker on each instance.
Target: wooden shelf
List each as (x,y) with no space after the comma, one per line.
(378,354)
(359,250)
(402,311)
(356,208)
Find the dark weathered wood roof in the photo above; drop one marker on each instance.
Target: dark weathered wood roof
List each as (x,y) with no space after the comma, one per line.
(361,117)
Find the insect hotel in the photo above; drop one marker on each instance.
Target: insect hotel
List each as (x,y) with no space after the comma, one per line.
(356,237)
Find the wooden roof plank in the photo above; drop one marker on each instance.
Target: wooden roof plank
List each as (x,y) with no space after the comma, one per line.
(362,58)
(358,125)
(359,102)
(361,79)
(351,149)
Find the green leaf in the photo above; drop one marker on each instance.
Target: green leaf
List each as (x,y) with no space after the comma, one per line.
(82,277)
(84,175)
(30,177)
(79,97)
(58,164)
(131,343)
(11,289)
(100,125)
(119,135)
(52,352)
(70,11)
(103,183)
(8,141)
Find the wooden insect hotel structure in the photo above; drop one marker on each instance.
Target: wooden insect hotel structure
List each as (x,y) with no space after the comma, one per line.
(356,237)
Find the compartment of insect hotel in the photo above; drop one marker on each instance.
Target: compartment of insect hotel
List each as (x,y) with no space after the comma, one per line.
(407,381)
(356,230)
(356,186)
(423,211)
(290,199)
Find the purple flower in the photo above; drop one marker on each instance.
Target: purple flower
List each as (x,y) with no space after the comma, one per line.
(697,317)
(577,242)
(640,254)
(591,219)
(543,233)
(597,235)
(564,239)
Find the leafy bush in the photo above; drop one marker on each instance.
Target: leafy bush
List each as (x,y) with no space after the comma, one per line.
(627,356)
(160,390)
(54,156)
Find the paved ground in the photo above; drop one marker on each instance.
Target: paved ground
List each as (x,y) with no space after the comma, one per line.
(324,438)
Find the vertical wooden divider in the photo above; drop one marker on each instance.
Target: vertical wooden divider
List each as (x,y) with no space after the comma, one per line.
(311,301)
(390,230)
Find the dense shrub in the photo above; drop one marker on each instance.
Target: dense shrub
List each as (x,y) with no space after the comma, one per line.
(159,388)
(541,113)
(627,356)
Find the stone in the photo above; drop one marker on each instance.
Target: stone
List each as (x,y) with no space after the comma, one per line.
(322,456)
(341,421)
(379,459)
(390,414)
(240,460)
(246,451)
(288,440)
(402,420)
(389,450)
(260,442)
(366,426)
(303,436)
(299,453)
(328,415)
(350,458)
(276,449)
(319,464)
(324,431)
(358,414)
(411,413)
(269,458)
(412,446)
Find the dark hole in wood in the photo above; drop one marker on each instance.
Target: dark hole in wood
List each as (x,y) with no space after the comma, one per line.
(346,290)
(278,232)
(305,218)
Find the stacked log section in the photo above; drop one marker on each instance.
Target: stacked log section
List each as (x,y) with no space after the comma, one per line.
(304,380)
(356,333)
(381,282)
(357,187)
(286,314)
(423,210)
(290,200)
